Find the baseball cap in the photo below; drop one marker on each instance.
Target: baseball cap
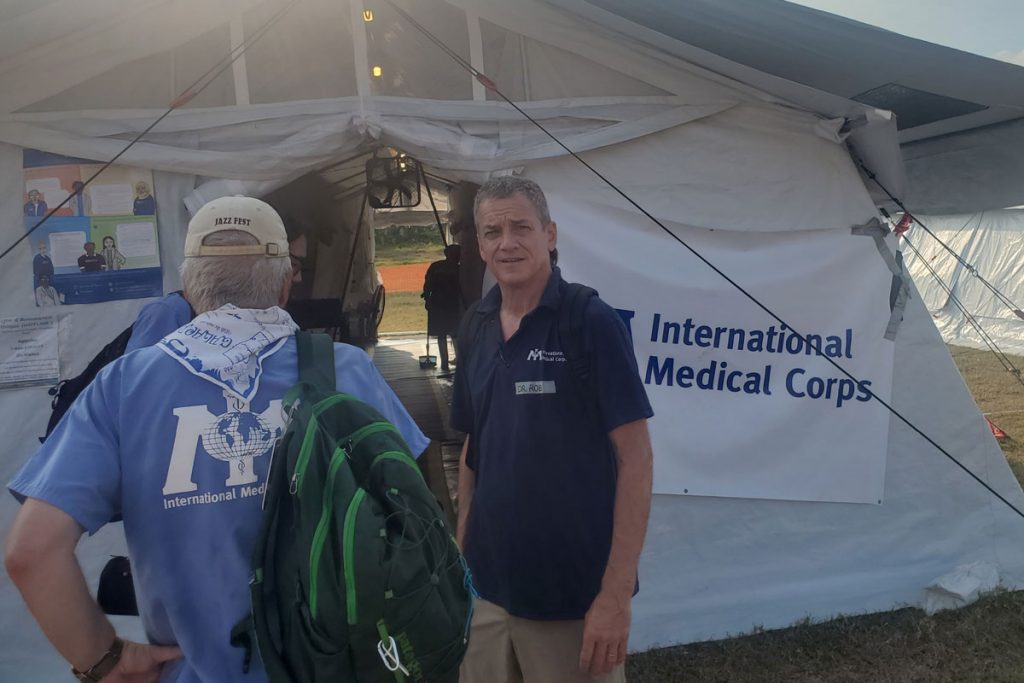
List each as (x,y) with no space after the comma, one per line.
(246,214)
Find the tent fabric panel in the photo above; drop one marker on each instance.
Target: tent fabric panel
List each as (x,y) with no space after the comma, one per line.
(307,55)
(528,70)
(152,81)
(575,34)
(760,169)
(104,42)
(973,171)
(411,64)
(875,140)
(292,143)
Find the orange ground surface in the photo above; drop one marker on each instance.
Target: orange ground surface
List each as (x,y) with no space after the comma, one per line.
(406,278)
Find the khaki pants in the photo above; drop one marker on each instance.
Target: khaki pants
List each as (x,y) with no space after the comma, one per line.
(507,649)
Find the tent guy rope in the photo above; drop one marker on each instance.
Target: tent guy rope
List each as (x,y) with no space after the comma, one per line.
(1004,360)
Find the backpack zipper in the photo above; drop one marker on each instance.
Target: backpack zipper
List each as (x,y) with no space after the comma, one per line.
(324,525)
(348,543)
(337,459)
(396,455)
(307,440)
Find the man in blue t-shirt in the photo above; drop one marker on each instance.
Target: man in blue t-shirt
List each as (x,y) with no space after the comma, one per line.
(555,474)
(159,318)
(176,438)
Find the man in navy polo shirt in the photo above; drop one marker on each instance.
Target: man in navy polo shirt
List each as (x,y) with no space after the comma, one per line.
(555,476)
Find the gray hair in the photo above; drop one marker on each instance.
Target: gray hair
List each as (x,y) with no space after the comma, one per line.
(507,186)
(245,281)
(503,187)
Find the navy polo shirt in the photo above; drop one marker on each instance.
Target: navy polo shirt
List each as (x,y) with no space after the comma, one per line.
(540,524)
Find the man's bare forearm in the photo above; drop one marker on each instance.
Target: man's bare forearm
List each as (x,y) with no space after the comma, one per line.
(467,484)
(632,444)
(40,559)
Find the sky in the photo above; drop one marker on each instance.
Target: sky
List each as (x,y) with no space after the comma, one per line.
(990,28)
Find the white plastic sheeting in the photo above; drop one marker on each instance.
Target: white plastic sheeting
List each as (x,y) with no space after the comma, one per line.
(990,245)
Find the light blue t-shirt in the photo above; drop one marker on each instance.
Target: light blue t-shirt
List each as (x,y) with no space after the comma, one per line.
(157,319)
(186,466)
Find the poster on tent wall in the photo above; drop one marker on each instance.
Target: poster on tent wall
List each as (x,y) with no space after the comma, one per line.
(743,408)
(101,245)
(28,351)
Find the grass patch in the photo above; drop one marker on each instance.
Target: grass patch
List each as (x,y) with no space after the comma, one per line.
(999,395)
(983,642)
(403,254)
(404,312)
(401,244)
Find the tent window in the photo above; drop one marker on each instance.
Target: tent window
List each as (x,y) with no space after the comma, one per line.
(410,64)
(526,69)
(916,107)
(153,81)
(307,55)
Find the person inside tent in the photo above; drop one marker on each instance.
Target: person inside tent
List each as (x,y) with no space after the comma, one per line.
(190,526)
(555,473)
(442,299)
(460,219)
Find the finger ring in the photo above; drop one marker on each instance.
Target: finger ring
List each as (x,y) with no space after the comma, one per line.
(611,657)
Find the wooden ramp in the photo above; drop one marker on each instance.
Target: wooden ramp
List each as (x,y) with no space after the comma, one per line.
(426,396)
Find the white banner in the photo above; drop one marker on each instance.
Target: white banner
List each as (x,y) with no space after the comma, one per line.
(743,407)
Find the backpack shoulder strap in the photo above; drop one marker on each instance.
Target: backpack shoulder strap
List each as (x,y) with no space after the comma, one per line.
(572,312)
(469,329)
(316,360)
(66,391)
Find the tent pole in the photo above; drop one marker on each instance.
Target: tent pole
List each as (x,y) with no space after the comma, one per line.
(352,253)
(437,216)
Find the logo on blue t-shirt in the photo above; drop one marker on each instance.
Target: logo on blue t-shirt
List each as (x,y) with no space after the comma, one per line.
(235,438)
(238,437)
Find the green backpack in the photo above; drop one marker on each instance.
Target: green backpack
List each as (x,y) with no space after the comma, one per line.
(356,574)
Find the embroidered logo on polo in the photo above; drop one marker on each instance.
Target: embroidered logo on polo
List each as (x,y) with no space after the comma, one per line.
(546,356)
(536,387)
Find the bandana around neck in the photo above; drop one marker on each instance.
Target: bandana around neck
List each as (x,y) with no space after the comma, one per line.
(227,346)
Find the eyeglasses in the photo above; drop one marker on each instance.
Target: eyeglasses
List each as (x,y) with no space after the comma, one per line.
(298,263)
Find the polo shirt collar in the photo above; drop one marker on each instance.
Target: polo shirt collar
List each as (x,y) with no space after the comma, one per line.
(549,298)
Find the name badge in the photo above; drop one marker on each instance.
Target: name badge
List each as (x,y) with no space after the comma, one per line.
(540,387)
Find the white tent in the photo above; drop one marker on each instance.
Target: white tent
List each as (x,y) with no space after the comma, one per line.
(774,503)
(970,276)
